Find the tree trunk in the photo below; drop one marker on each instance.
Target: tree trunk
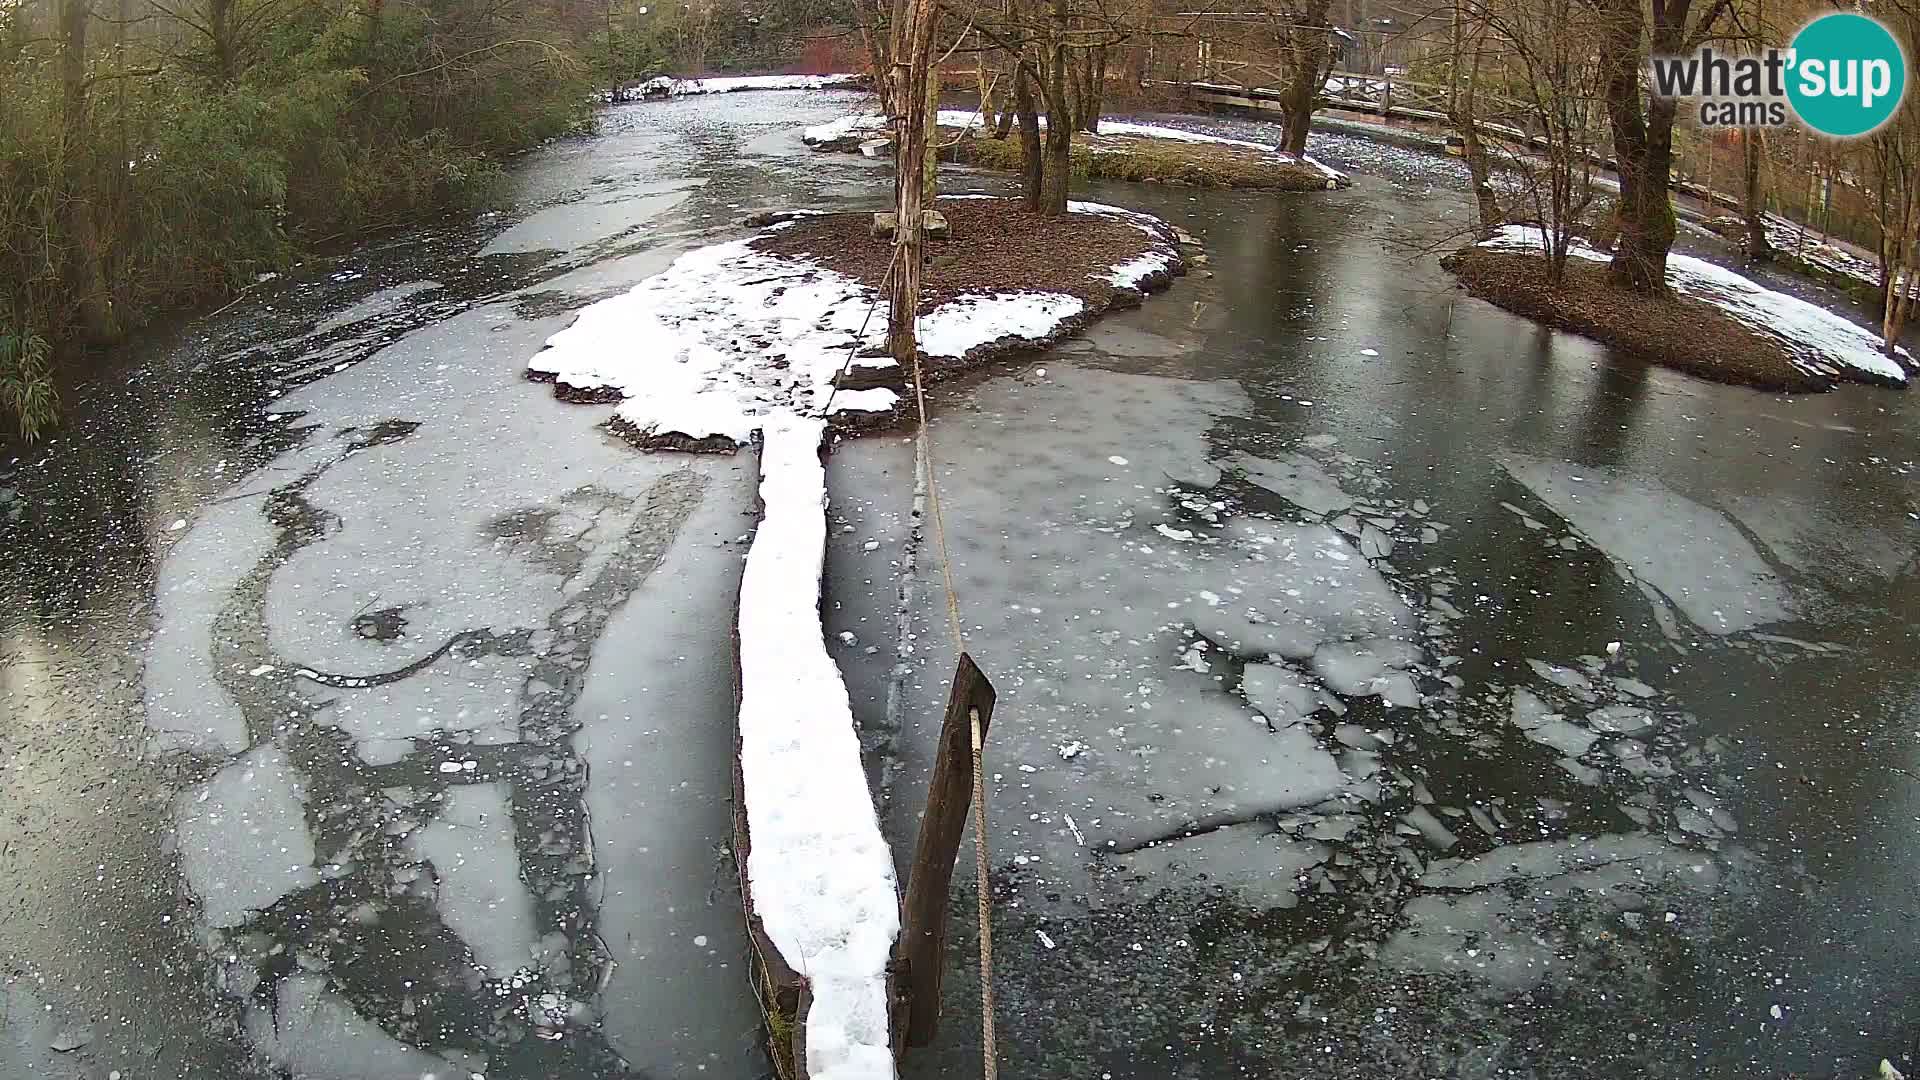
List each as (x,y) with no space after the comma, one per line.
(1309,48)
(930,160)
(1058,171)
(912,48)
(880,59)
(1758,248)
(85,256)
(1897,242)
(1487,213)
(1899,307)
(220,40)
(1032,163)
(984,81)
(1093,103)
(1086,91)
(1643,148)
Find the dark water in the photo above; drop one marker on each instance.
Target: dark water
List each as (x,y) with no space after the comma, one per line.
(293,568)
(1752,556)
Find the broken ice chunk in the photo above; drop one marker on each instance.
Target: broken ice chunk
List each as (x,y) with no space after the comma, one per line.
(1528,711)
(1199,475)
(1355,736)
(1398,690)
(1296,478)
(1359,668)
(1620,719)
(1249,859)
(1245,639)
(1280,694)
(1558,675)
(1633,686)
(1375,544)
(1430,828)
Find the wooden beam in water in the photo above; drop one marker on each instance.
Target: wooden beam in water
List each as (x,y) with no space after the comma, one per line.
(923,919)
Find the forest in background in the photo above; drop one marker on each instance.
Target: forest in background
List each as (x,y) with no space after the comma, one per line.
(156,154)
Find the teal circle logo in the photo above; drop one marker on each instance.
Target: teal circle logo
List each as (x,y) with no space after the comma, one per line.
(1847,74)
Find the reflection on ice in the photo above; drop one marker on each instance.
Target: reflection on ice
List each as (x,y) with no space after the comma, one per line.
(1699,560)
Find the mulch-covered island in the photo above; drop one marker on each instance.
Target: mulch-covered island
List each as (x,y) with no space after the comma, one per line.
(792,320)
(1121,151)
(1715,323)
(997,248)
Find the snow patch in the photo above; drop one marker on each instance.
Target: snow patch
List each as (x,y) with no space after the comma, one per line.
(1818,341)
(848,126)
(821,874)
(966,322)
(689,348)
(666,86)
(728,334)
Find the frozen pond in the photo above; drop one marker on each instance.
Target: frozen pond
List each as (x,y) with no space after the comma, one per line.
(1387,687)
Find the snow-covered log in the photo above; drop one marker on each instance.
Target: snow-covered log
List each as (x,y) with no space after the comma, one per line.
(817,879)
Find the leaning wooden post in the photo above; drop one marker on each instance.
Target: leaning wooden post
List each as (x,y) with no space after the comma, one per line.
(923,917)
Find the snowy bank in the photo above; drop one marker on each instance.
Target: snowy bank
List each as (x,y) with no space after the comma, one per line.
(846,132)
(699,355)
(1817,341)
(666,86)
(707,348)
(819,877)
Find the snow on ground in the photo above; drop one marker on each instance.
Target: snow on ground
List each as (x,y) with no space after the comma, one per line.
(821,874)
(667,86)
(690,348)
(1818,341)
(1819,250)
(728,334)
(961,324)
(823,134)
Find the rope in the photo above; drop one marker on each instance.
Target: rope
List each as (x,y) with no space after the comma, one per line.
(859,338)
(989,1052)
(933,502)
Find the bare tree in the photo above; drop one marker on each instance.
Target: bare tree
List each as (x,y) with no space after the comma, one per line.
(1642,125)
(1753,194)
(1550,80)
(85,255)
(1892,156)
(1306,39)
(1469,54)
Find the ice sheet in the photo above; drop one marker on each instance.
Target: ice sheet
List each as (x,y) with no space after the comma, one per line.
(1693,555)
